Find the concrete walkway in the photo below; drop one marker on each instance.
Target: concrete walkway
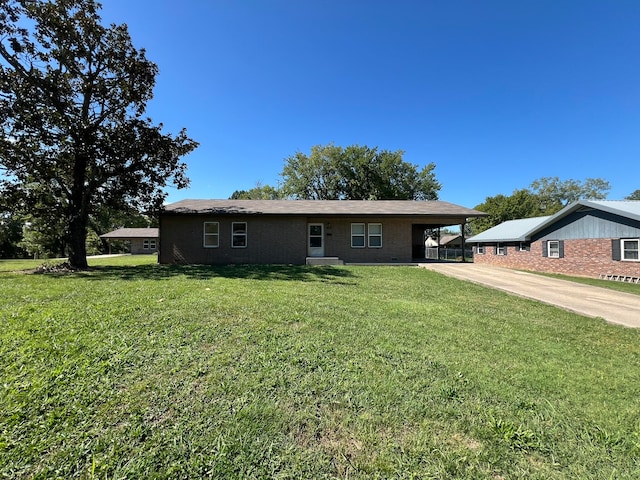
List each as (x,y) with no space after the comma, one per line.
(613,306)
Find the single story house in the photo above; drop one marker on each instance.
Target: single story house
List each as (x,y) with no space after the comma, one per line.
(139,240)
(301,231)
(591,238)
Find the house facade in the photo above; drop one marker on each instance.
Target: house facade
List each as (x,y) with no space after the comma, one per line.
(138,240)
(301,231)
(586,238)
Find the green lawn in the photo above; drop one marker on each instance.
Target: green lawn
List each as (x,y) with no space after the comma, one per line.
(136,370)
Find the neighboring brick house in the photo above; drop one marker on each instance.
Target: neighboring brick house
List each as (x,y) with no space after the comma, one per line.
(587,238)
(139,240)
(301,231)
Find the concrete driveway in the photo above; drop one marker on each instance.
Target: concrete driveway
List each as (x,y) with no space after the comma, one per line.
(614,307)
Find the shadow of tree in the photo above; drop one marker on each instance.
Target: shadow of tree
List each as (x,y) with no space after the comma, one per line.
(300,273)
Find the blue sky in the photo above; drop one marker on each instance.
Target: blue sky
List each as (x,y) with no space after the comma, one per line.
(495,93)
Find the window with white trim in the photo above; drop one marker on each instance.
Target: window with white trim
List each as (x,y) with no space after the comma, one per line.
(553,248)
(211,238)
(239,234)
(145,244)
(152,244)
(501,249)
(524,247)
(375,235)
(357,235)
(480,249)
(630,249)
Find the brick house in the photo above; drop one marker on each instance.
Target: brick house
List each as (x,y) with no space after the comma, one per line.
(586,238)
(301,231)
(138,240)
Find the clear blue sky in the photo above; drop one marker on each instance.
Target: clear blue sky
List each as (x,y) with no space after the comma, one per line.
(495,93)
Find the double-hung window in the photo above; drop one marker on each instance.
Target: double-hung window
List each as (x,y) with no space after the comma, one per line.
(152,244)
(375,235)
(501,249)
(145,244)
(553,248)
(239,234)
(480,249)
(211,237)
(357,235)
(630,250)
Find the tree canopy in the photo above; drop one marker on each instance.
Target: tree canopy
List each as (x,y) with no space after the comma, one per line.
(545,196)
(356,172)
(259,192)
(75,137)
(635,195)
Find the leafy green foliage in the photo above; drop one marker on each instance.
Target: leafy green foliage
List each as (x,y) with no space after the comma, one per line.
(72,100)
(259,192)
(546,196)
(634,196)
(139,370)
(331,172)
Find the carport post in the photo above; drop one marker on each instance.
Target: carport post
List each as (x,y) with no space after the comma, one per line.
(462,240)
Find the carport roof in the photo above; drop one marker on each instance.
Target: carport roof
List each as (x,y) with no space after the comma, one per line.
(434,208)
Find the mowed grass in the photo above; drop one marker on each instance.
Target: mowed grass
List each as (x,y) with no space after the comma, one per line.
(137,370)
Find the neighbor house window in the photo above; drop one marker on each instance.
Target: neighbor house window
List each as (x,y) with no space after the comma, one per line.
(145,244)
(375,235)
(553,248)
(148,244)
(239,234)
(211,234)
(524,247)
(357,235)
(501,249)
(480,249)
(630,250)
(152,244)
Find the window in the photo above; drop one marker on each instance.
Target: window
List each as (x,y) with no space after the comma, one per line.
(211,234)
(553,248)
(239,234)
(145,244)
(357,235)
(480,249)
(630,249)
(524,247)
(152,244)
(375,235)
(501,249)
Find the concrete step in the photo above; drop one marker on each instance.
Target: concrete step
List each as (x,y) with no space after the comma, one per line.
(324,261)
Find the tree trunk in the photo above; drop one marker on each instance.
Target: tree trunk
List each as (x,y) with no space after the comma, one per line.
(77,242)
(78,215)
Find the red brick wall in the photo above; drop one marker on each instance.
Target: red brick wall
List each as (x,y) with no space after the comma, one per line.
(584,257)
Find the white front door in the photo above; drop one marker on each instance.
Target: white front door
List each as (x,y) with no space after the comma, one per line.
(315,243)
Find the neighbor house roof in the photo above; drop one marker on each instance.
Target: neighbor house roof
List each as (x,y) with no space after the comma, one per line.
(125,233)
(322,207)
(509,231)
(522,229)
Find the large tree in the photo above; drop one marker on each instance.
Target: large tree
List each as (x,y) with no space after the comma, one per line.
(73,95)
(546,196)
(331,172)
(556,194)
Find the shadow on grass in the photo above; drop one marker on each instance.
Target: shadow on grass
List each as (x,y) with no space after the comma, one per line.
(300,273)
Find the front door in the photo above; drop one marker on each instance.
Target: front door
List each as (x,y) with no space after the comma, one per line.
(315,245)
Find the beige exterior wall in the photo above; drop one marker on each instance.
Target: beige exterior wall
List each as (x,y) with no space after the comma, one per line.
(584,257)
(281,239)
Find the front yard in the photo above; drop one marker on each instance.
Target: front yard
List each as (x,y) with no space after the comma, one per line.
(136,370)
